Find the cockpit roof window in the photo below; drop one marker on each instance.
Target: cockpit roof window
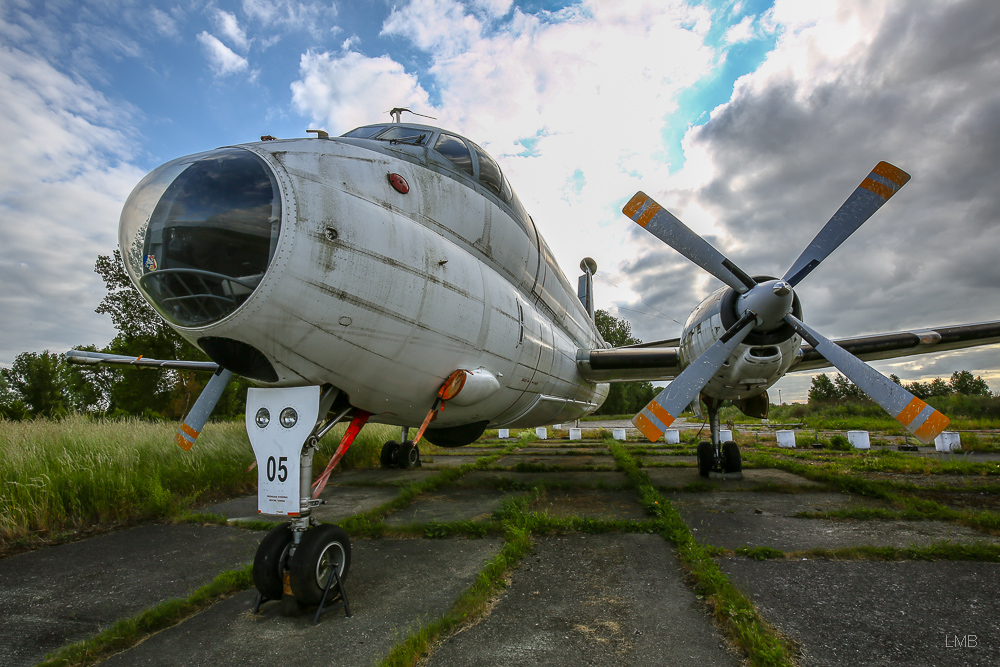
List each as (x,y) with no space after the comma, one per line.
(489,172)
(455,150)
(401,134)
(364,132)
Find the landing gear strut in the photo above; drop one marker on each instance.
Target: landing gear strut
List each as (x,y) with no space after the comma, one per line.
(715,458)
(403,454)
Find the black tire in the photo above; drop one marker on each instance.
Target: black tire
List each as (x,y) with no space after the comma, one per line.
(389,452)
(705,456)
(409,455)
(731,460)
(271,560)
(310,566)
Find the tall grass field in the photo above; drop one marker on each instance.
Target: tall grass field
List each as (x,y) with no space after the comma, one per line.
(60,476)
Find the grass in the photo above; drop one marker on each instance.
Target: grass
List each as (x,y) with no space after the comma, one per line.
(62,477)
(129,632)
(72,474)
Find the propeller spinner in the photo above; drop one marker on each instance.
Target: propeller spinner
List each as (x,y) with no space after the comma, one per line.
(766,305)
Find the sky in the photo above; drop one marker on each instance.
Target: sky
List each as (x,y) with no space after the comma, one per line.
(751,120)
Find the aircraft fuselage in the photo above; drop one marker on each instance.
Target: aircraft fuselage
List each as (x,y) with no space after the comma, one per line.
(378,292)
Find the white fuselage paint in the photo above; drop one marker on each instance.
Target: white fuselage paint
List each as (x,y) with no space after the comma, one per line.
(383,294)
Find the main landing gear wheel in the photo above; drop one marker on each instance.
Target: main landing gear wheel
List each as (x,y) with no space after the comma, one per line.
(705,458)
(409,455)
(731,461)
(271,560)
(321,549)
(390,451)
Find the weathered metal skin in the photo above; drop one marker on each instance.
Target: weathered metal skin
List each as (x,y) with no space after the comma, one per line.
(751,369)
(384,294)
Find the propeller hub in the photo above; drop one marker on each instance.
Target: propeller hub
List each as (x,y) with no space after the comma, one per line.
(770,301)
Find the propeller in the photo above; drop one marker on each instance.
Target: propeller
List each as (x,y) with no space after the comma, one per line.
(202,409)
(883,182)
(766,305)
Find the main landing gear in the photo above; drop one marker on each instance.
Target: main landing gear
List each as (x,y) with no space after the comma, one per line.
(715,458)
(403,454)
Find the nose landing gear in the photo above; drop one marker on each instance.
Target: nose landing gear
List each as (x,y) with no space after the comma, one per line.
(301,562)
(718,459)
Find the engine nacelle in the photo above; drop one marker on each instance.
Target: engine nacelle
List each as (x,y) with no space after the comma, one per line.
(755,365)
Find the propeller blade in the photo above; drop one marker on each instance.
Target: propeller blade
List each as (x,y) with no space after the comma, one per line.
(663,410)
(202,409)
(920,419)
(883,182)
(662,224)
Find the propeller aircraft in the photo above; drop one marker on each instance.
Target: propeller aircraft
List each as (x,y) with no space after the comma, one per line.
(386,273)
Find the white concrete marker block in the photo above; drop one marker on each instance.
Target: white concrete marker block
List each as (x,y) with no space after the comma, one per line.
(948,441)
(725,435)
(673,436)
(618,433)
(786,439)
(859,439)
(576,434)
(542,433)
(503,432)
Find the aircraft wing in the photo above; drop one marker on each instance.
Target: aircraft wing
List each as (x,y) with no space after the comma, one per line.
(904,344)
(93,358)
(660,360)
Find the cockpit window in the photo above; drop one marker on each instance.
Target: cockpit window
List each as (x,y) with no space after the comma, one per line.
(455,150)
(364,132)
(198,236)
(489,172)
(404,135)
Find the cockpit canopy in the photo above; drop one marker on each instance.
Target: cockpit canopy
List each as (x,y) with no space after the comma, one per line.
(463,154)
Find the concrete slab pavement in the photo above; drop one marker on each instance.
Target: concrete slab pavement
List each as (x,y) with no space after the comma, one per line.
(593,600)
(70,592)
(905,614)
(394,586)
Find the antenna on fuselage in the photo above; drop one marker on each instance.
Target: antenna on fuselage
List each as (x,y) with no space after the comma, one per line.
(397,114)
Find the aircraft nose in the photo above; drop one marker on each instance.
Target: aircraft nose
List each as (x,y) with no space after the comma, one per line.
(197,234)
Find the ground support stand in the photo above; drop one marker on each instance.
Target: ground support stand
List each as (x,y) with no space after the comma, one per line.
(340,599)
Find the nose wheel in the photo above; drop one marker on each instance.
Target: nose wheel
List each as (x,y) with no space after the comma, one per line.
(715,458)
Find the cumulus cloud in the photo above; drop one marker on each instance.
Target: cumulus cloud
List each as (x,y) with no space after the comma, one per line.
(63,179)
(345,90)
(222,59)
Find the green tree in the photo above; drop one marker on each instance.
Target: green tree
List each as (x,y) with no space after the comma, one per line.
(847,390)
(918,389)
(962,382)
(938,387)
(822,390)
(38,383)
(142,332)
(623,397)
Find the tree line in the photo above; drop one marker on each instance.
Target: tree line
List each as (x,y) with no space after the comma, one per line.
(43,384)
(840,388)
